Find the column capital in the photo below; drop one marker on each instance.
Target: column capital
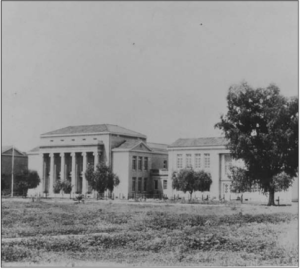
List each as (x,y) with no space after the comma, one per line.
(73,154)
(51,154)
(61,154)
(95,153)
(83,153)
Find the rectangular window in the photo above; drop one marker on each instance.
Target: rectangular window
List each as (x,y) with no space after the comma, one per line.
(140,184)
(140,163)
(134,162)
(179,160)
(165,184)
(188,160)
(207,160)
(197,160)
(227,163)
(165,164)
(146,163)
(145,184)
(133,183)
(155,184)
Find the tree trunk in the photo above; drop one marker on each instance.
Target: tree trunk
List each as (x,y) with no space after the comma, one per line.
(191,195)
(271,197)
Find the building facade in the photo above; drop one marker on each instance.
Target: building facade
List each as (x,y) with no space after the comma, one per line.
(211,155)
(12,157)
(64,154)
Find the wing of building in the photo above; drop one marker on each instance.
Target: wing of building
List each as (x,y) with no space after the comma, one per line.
(211,155)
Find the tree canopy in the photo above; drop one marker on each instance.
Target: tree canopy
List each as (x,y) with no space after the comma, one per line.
(188,180)
(261,126)
(27,179)
(102,178)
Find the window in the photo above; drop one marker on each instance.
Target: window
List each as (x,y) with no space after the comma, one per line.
(155,184)
(207,160)
(197,160)
(140,184)
(165,164)
(188,160)
(146,163)
(133,183)
(140,163)
(134,162)
(165,184)
(179,160)
(227,163)
(145,184)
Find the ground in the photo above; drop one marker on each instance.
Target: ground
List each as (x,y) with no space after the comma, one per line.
(60,233)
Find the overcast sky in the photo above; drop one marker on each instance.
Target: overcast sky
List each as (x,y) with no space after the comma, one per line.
(159,68)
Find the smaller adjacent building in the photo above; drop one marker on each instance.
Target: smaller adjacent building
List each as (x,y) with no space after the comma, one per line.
(211,155)
(12,157)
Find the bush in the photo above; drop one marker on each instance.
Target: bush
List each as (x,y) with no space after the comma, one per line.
(57,186)
(67,186)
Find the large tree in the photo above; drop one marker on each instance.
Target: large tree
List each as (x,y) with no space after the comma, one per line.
(25,180)
(188,180)
(102,178)
(261,126)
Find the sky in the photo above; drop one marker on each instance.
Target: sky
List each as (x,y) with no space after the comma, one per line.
(162,69)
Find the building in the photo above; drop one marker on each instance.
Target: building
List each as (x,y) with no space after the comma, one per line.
(211,155)
(64,154)
(12,156)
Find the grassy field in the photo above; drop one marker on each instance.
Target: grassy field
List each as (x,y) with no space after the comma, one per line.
(98,233)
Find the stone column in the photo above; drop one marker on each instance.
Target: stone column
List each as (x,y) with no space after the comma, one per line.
(84,181)
(62,167)
(43,173)
(73,180)
(51,173)
(96,158)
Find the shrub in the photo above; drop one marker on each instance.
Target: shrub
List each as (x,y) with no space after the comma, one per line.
(66,186)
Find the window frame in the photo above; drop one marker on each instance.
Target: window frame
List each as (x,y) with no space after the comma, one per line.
(198,160)
(140,163)
(206,160)
(165,184)
(133,187)
(134,163)
(179,158)
(188,160)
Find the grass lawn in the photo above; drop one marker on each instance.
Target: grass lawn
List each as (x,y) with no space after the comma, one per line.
(134,234)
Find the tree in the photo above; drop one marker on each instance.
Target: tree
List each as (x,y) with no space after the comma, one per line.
(27,179)
(188,180)
(102,178)
(261,126)
(240,179)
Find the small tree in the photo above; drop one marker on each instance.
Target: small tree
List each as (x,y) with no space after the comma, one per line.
(102,178)
(27,179)
(188,180)
(89,173)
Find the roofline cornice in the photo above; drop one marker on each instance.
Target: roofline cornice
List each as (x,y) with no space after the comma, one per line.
(197,147)
(91,134)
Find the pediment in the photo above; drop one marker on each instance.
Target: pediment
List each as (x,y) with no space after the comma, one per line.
(141,147)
